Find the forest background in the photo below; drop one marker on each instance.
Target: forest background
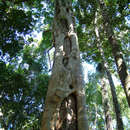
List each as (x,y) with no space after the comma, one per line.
(26,59)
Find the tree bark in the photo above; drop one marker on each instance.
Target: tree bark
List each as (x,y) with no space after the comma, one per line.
(120,63)
(115,102)
(65,102)
(112,86)
(105,98)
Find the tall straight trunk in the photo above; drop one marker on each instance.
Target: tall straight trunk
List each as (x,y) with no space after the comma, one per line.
(112,86)
(106,105)
(120,63)
(115,102)
(65,105)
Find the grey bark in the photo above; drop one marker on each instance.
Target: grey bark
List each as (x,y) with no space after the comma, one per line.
(106,105)
(120,62)
(65,102)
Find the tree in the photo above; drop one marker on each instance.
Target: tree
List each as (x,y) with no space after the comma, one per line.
(116,51)
(104,66)
(86,34)
(65,101)
(106,104)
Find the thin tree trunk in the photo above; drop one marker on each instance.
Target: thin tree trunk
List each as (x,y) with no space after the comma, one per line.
(105,98)
(120,63)
(112,86)
(115,102)
(65,101)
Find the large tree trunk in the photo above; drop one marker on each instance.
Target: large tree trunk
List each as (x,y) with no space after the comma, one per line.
(106,105)
(120,63)
(65,101)
(112,86)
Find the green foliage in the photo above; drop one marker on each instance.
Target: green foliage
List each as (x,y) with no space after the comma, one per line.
(94,103)
(123,103)
(46,39)
(15,23)
(21,94)
(23,77)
